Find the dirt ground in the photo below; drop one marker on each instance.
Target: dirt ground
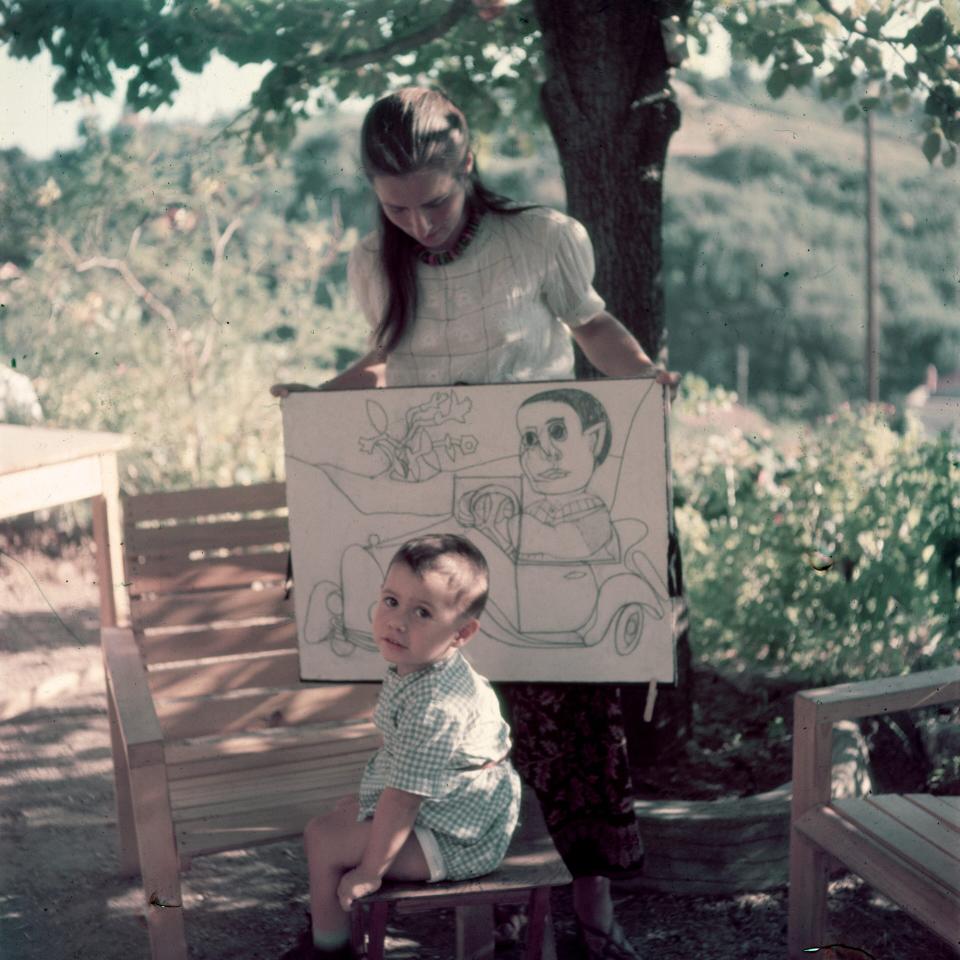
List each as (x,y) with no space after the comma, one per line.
(61,897)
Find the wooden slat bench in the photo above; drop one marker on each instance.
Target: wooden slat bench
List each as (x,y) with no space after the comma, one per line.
(531,867)
(905,846)
(216,743)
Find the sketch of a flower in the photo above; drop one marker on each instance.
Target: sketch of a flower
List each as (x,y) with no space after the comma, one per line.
(414,456)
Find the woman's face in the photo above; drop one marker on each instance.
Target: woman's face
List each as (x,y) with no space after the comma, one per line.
(429,205)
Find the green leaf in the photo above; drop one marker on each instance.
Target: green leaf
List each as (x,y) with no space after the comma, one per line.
(930,30)
(762,46)
(949,156)
(875,20)
(777,83)
(931,146)
(852,112)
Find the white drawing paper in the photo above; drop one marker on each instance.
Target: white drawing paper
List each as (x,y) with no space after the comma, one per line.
(563,486)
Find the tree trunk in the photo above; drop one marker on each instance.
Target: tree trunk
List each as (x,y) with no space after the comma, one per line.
(608,104)
(610,109)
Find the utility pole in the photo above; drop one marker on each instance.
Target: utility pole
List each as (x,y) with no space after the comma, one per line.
(873,326)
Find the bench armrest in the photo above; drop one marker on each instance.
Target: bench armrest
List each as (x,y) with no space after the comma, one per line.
(816,711)
(128,687)
(848,701)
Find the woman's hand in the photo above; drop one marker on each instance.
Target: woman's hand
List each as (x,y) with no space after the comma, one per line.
(671,379)
(354,885)
(491,9)
(285,389)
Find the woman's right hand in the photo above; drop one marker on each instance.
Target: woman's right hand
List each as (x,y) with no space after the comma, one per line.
(285,389)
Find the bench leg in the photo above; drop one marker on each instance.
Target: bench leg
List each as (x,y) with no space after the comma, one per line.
(159,864)
(126,828)
(540,943)
(809,873)
(475,931)
(377,929)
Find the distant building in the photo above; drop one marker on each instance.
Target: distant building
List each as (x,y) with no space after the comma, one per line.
(935,404)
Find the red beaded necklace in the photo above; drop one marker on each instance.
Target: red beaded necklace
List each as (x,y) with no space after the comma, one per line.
(442,257)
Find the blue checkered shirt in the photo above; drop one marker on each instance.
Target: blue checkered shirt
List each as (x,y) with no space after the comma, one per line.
(440,726)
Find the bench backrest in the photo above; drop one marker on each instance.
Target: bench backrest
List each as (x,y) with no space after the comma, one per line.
(206,574)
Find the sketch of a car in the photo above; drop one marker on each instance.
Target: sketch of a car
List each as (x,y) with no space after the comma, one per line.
(533,603)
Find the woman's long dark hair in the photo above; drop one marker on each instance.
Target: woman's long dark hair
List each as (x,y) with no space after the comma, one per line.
(411,130)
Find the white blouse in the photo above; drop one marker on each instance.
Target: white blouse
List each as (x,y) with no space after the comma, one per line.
(502,311)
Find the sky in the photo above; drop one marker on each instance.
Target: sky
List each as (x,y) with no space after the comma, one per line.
(33,120)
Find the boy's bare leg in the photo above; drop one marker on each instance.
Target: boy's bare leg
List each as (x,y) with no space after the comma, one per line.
(335,844)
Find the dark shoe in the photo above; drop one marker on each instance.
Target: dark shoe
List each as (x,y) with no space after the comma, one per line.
(612,945)
(304,949)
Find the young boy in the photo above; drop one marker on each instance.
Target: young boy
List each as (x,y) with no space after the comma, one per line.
(440,799)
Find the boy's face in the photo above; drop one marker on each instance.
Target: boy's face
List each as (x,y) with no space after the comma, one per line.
(556,453)
(421,620)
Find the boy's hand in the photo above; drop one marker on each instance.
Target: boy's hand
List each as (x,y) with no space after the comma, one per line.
(354,885)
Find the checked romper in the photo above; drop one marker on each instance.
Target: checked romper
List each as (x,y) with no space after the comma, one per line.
(445,739)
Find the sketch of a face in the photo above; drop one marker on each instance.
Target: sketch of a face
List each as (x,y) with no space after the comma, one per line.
(558,455)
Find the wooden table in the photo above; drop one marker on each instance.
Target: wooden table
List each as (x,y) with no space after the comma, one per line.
(41,467)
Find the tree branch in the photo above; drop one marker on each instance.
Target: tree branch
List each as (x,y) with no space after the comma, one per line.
(398,45)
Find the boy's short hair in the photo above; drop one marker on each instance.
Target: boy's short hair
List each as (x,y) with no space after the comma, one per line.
(587,407)
(427,553)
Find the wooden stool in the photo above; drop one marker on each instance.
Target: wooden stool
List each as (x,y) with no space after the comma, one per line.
(531,867)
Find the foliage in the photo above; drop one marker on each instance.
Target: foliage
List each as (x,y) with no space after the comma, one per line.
(166,293)
(838,561)
(872,55)
(878,55)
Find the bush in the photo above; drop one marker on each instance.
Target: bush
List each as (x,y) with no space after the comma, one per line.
(839,562)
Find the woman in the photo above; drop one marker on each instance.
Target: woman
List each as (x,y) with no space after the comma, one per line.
(460,285)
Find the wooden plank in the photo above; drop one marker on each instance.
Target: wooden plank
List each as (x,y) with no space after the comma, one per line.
(904,883)
(159,648)
(105,581)
(887,695)
(186,537)
(945,809)
(201,680)
(205,501)
(365,739)
(159,864)
(902,827)
(242,796)
(138,726)
(217,606)
(180,576)
(181,719)
(43,487)
(278,822)
(808,872)
(23,448)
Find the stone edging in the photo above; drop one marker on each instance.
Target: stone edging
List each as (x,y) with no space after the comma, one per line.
(734,846)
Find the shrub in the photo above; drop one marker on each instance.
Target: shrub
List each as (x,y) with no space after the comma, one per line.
(840,561)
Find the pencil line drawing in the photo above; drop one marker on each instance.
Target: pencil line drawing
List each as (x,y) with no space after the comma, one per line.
(543,495)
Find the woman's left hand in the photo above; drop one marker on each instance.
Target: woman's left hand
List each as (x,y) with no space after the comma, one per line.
(354,885)
(671,379)
(491,9)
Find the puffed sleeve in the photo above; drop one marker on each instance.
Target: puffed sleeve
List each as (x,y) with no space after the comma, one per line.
(427,742)
(366,282)
(568,288)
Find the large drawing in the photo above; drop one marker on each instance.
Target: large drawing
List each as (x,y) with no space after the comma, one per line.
(563,486)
